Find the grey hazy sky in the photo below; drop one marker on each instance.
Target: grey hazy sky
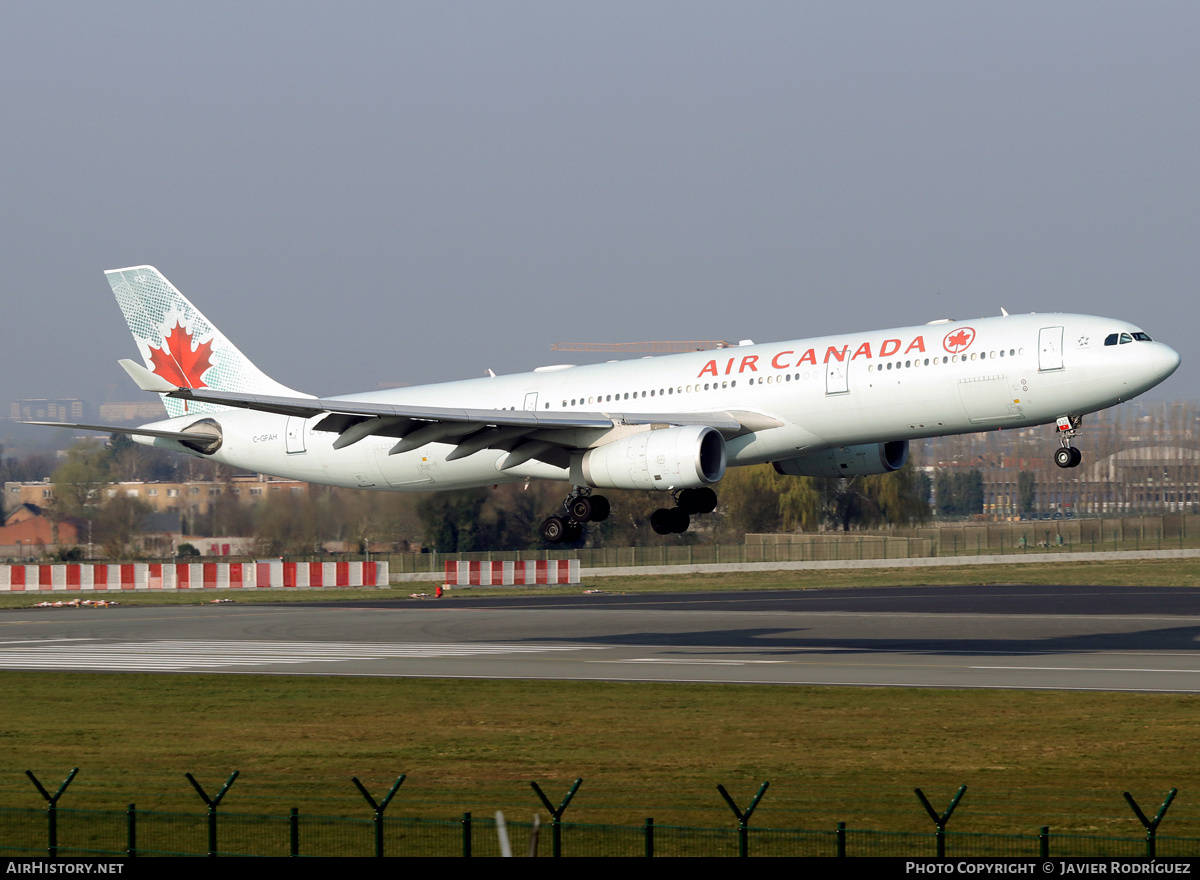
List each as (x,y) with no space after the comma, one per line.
(360,193)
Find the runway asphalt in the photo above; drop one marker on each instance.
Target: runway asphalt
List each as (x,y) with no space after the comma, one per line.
(997,636)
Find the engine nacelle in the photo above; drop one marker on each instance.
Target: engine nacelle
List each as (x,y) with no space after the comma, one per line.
(668,458)
(208,436)
(848,461)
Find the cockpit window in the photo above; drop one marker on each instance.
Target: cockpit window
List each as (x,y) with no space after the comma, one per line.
(1122,338)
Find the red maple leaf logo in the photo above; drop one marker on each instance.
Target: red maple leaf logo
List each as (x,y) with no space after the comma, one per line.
(178,363)
(956,341)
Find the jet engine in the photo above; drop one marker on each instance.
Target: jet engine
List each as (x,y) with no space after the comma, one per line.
(848,461)
(668,458)
(208,436)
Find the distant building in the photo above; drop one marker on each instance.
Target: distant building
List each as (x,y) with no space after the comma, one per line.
(42,410)
(137,412)
(27,531)
(226,546)
(189,498)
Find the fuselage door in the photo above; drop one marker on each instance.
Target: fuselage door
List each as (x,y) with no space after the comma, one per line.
(295,434)
(530,401)
(837,377)
(1050,347)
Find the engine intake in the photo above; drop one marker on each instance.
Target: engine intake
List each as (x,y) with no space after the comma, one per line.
(668,458)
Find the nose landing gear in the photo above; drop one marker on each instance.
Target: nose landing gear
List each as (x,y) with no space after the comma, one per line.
(1067,456)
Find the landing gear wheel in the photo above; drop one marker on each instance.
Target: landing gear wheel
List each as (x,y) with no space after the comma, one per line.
(582,509)
(600,508)
(660,521)
(554,529)
(679,520)
(670,521)
(697,500)
(1076,457)
(1064,457)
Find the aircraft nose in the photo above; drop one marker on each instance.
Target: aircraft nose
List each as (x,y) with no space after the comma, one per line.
(1166,360)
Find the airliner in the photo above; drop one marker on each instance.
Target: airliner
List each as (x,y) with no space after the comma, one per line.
(833,406)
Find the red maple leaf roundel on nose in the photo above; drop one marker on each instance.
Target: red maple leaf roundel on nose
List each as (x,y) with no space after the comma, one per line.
(958,340)
(178,363)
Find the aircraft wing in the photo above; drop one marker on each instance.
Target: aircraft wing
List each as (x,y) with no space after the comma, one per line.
(524,434)
(308,407)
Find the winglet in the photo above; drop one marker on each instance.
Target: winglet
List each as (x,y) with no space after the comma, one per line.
(146,380)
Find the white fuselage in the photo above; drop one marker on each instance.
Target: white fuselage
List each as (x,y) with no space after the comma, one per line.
(902,384)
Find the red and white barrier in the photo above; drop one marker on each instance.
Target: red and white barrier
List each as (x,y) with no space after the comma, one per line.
(489,574)
(190,576)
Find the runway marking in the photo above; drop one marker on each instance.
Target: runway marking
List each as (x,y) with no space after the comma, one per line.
(180,654)
(1083,669)
(696,661)
(767,683)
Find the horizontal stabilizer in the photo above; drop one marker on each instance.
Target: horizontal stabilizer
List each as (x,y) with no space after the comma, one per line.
(197,438)
(145,380)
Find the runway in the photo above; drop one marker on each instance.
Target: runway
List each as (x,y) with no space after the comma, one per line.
(1022,637)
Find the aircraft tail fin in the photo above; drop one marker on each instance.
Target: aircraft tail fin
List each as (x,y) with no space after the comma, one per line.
(179,345)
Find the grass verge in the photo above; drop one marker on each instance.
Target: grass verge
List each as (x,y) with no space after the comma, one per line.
(643,749)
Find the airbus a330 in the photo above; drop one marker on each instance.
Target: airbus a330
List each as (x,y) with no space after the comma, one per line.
(833,406)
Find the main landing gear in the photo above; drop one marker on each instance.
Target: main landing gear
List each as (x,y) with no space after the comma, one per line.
(675,520)
(580,507)
(1067,456)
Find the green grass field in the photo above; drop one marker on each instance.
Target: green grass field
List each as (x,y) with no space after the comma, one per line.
(831,754)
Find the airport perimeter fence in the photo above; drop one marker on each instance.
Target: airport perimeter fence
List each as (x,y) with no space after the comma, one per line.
(1020,538)
(1034,538)
(147,833)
